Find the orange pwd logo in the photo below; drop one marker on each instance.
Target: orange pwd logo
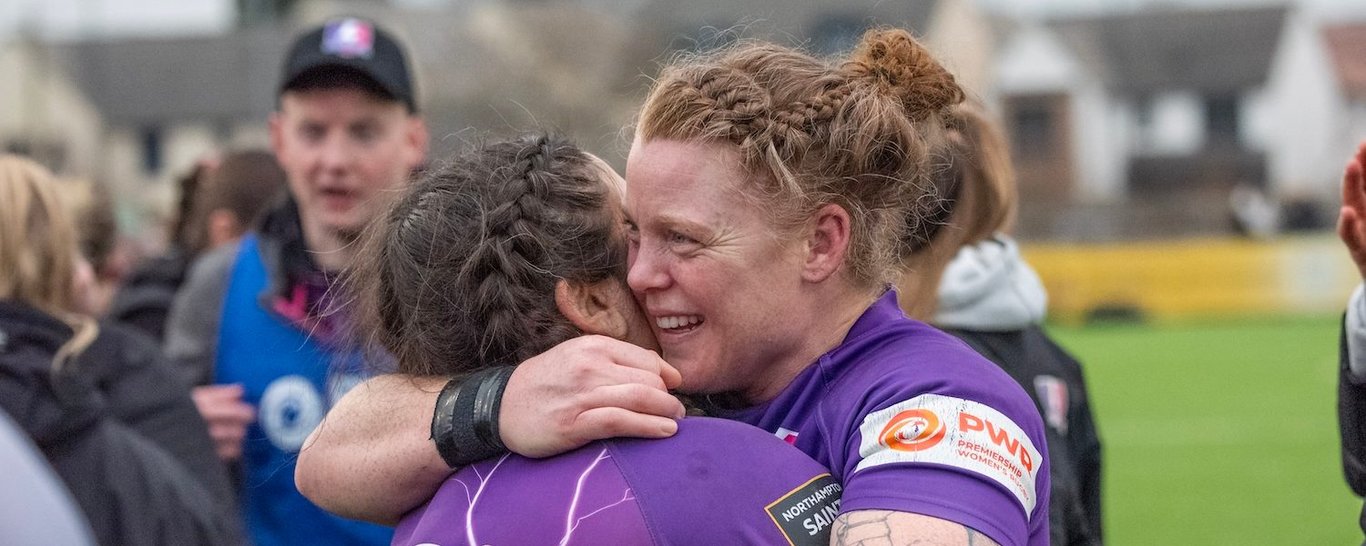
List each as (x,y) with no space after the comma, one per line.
(913,430)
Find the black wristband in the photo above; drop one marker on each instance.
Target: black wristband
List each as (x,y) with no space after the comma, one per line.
(465,422)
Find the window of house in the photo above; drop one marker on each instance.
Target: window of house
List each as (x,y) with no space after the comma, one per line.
(1145,117)
(1221,118)
(1145,126)
(1033,128)
(223,130)
(1143,112)
(151,149)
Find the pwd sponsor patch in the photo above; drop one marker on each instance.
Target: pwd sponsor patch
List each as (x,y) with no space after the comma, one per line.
(931,428)
(805,514)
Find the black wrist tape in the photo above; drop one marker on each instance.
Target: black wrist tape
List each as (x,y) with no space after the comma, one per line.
(465,423)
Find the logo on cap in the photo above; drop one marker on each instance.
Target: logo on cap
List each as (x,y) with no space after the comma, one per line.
(349,39)
(913,430)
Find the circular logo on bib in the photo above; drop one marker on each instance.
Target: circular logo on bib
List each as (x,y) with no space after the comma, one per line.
(913,430)
(290,409)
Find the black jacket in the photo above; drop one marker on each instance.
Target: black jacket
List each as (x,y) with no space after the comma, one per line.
(1036,362)
(144,300)
(1352,424)
(118,426)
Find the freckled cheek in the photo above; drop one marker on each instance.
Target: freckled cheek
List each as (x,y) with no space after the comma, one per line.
(704,290)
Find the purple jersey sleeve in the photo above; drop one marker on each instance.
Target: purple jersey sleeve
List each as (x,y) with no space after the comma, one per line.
(930,427)
(715,482)
(910,419)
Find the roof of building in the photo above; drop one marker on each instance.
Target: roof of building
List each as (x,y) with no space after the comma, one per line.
(153,81)
(1210,50)
(800,22)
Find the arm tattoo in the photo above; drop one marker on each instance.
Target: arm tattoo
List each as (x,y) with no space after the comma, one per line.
(862,529)
(874,528)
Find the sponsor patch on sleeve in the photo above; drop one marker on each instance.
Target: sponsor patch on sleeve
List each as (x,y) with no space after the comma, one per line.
(932,428)
(804,515)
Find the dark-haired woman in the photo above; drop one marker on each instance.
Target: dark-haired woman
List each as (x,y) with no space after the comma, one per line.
(768,196)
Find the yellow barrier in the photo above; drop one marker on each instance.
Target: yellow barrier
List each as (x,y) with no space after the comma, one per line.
(1195,278)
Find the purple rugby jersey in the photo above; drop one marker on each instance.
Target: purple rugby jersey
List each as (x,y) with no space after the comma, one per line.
(910,419)
(715,482)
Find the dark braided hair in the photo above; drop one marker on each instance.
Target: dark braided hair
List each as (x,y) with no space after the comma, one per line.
(460,273)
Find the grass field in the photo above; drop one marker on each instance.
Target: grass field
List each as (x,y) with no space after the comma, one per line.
(1219,432)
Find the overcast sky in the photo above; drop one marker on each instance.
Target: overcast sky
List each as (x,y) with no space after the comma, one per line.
(66,19)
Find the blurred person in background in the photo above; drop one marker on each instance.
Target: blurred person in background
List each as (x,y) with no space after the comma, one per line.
(1352,344)
(255,322)
(967,277)
(144,299)
(108,255)
(108,412)
(221,199)
(234,197)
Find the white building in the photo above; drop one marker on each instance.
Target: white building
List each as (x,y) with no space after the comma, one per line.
(1166,110)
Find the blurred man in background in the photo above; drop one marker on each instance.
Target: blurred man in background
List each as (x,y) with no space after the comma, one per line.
(254,321)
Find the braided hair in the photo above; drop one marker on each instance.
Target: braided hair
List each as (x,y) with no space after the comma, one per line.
(857,133)
(460,273)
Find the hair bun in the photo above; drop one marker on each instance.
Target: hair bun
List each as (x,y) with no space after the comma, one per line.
(901,67)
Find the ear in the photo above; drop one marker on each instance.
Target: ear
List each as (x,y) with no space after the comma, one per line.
(593,308)
(223,227)
(827,243)
(417,141)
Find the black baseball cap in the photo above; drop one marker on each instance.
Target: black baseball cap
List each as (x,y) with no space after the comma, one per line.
(352,45)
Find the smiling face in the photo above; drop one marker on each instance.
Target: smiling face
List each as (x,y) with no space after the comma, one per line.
(343,149)
(717,281)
